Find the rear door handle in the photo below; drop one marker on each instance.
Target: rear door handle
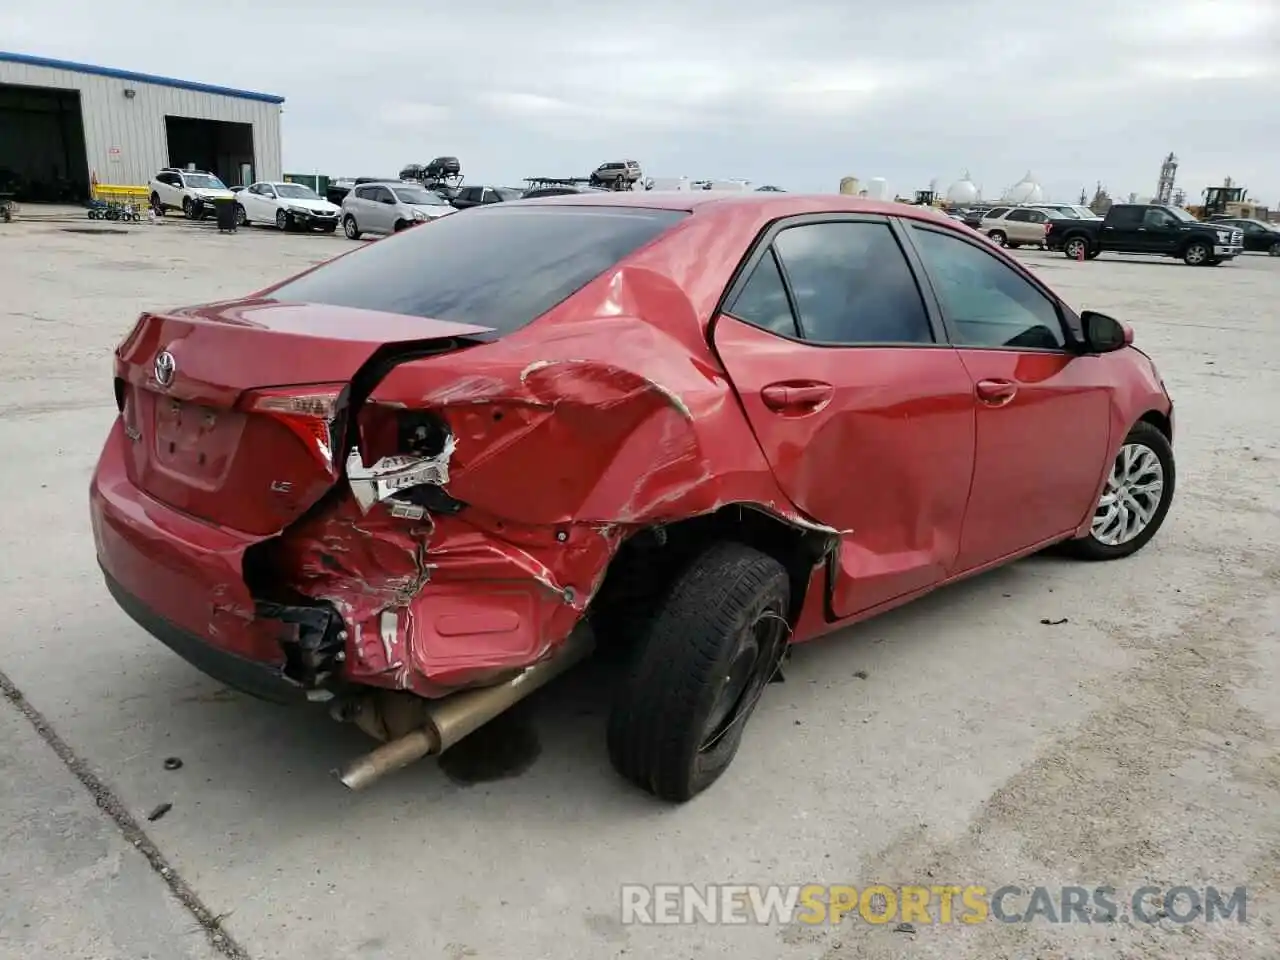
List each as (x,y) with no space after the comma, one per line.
(793,396)
(996,392)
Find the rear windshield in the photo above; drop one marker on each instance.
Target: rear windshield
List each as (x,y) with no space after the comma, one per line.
(499,266)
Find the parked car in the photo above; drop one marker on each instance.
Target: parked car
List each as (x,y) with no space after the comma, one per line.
(1148,228)
(289,206)
(194,192)
(471,196)
(1066,211)
(422,479)
(389,207)
(1258,235)
(621,171)
(559,190)
(974,216)
(1015,227)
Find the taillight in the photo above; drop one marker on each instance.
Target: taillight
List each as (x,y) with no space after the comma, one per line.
(1047,225)
(311,413)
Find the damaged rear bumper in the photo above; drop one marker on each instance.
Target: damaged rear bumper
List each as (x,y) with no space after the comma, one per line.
(262,680)
(181,581)
(428,606)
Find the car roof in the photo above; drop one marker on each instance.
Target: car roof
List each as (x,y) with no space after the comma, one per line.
(716,202)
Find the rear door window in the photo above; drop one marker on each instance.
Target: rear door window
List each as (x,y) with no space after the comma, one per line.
(1125,216)
(851,284)
(501,266)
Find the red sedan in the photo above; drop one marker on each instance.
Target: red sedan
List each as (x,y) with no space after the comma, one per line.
(420,480)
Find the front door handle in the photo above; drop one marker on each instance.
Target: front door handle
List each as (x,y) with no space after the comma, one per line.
(996,392)
(796,396)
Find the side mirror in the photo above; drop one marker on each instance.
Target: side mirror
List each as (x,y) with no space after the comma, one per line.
(1104,334)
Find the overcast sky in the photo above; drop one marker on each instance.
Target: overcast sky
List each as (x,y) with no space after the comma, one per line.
(797,93)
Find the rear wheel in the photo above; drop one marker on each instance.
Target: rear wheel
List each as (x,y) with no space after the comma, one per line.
(711,647)
(1134,501)
(1076,248)
(1197,254)
(1275,249)
(242,219)
(349,227)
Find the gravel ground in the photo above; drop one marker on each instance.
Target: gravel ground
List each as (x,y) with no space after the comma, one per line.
(958,740)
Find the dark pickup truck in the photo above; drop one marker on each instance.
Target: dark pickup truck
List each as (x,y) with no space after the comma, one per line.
(1150,229)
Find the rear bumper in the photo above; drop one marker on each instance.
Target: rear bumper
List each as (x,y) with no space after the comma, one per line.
(257,679)
(181,580)
(478,613)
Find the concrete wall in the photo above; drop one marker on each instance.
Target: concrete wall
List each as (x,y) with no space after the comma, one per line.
(125,141)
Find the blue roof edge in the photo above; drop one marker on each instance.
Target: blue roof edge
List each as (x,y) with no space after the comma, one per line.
(70,65)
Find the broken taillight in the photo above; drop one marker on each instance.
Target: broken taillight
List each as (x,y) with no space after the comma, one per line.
(311,413)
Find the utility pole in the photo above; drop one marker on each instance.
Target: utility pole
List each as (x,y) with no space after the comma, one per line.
(1164,186)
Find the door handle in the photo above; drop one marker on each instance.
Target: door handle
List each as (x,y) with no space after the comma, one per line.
(996,392)
(795,396)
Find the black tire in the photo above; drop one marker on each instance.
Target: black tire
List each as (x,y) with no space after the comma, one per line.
(329,228)
(188,208)
(1274,249)
(714,643)
(1013,246)
(999,238)
(349,227)
(284,222)
(242,219)
(1197,254)
(1073,246)
(1089,547)
(1092,255)
(400,225)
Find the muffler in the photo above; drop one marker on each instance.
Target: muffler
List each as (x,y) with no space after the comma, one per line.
(446,721)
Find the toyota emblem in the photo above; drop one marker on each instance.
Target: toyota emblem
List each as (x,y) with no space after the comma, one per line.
(166,366)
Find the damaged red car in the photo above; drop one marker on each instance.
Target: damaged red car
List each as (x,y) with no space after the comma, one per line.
(424,478)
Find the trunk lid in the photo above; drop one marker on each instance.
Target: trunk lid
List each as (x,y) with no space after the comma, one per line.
(231,411)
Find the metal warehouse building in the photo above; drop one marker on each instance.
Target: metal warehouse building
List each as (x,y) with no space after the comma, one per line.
(63,123)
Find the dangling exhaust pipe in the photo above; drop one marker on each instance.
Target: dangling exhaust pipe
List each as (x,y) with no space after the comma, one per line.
(446,721)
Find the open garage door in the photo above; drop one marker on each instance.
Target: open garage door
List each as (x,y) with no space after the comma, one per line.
(215,146)
(42,152)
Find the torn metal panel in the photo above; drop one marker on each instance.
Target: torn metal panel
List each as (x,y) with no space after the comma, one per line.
(391,475)
(441,604)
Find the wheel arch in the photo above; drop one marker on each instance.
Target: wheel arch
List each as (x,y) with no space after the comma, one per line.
(1161,421)
(650,559)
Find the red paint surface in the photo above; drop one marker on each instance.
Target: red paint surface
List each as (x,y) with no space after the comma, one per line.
(609,414)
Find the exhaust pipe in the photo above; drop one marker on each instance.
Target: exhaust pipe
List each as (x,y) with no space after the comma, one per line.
(450,719)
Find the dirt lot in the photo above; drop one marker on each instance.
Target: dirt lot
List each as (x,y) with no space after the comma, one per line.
(960,740)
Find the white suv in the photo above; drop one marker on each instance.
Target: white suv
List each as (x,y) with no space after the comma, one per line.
(191,191)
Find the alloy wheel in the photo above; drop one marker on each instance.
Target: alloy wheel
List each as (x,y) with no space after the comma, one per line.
(1131,497)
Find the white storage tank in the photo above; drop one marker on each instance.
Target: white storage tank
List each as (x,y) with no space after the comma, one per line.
(963,192)
(849,186)
(877,188)
(1026,190)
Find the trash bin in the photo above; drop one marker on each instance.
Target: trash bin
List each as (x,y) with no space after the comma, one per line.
(225,208)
